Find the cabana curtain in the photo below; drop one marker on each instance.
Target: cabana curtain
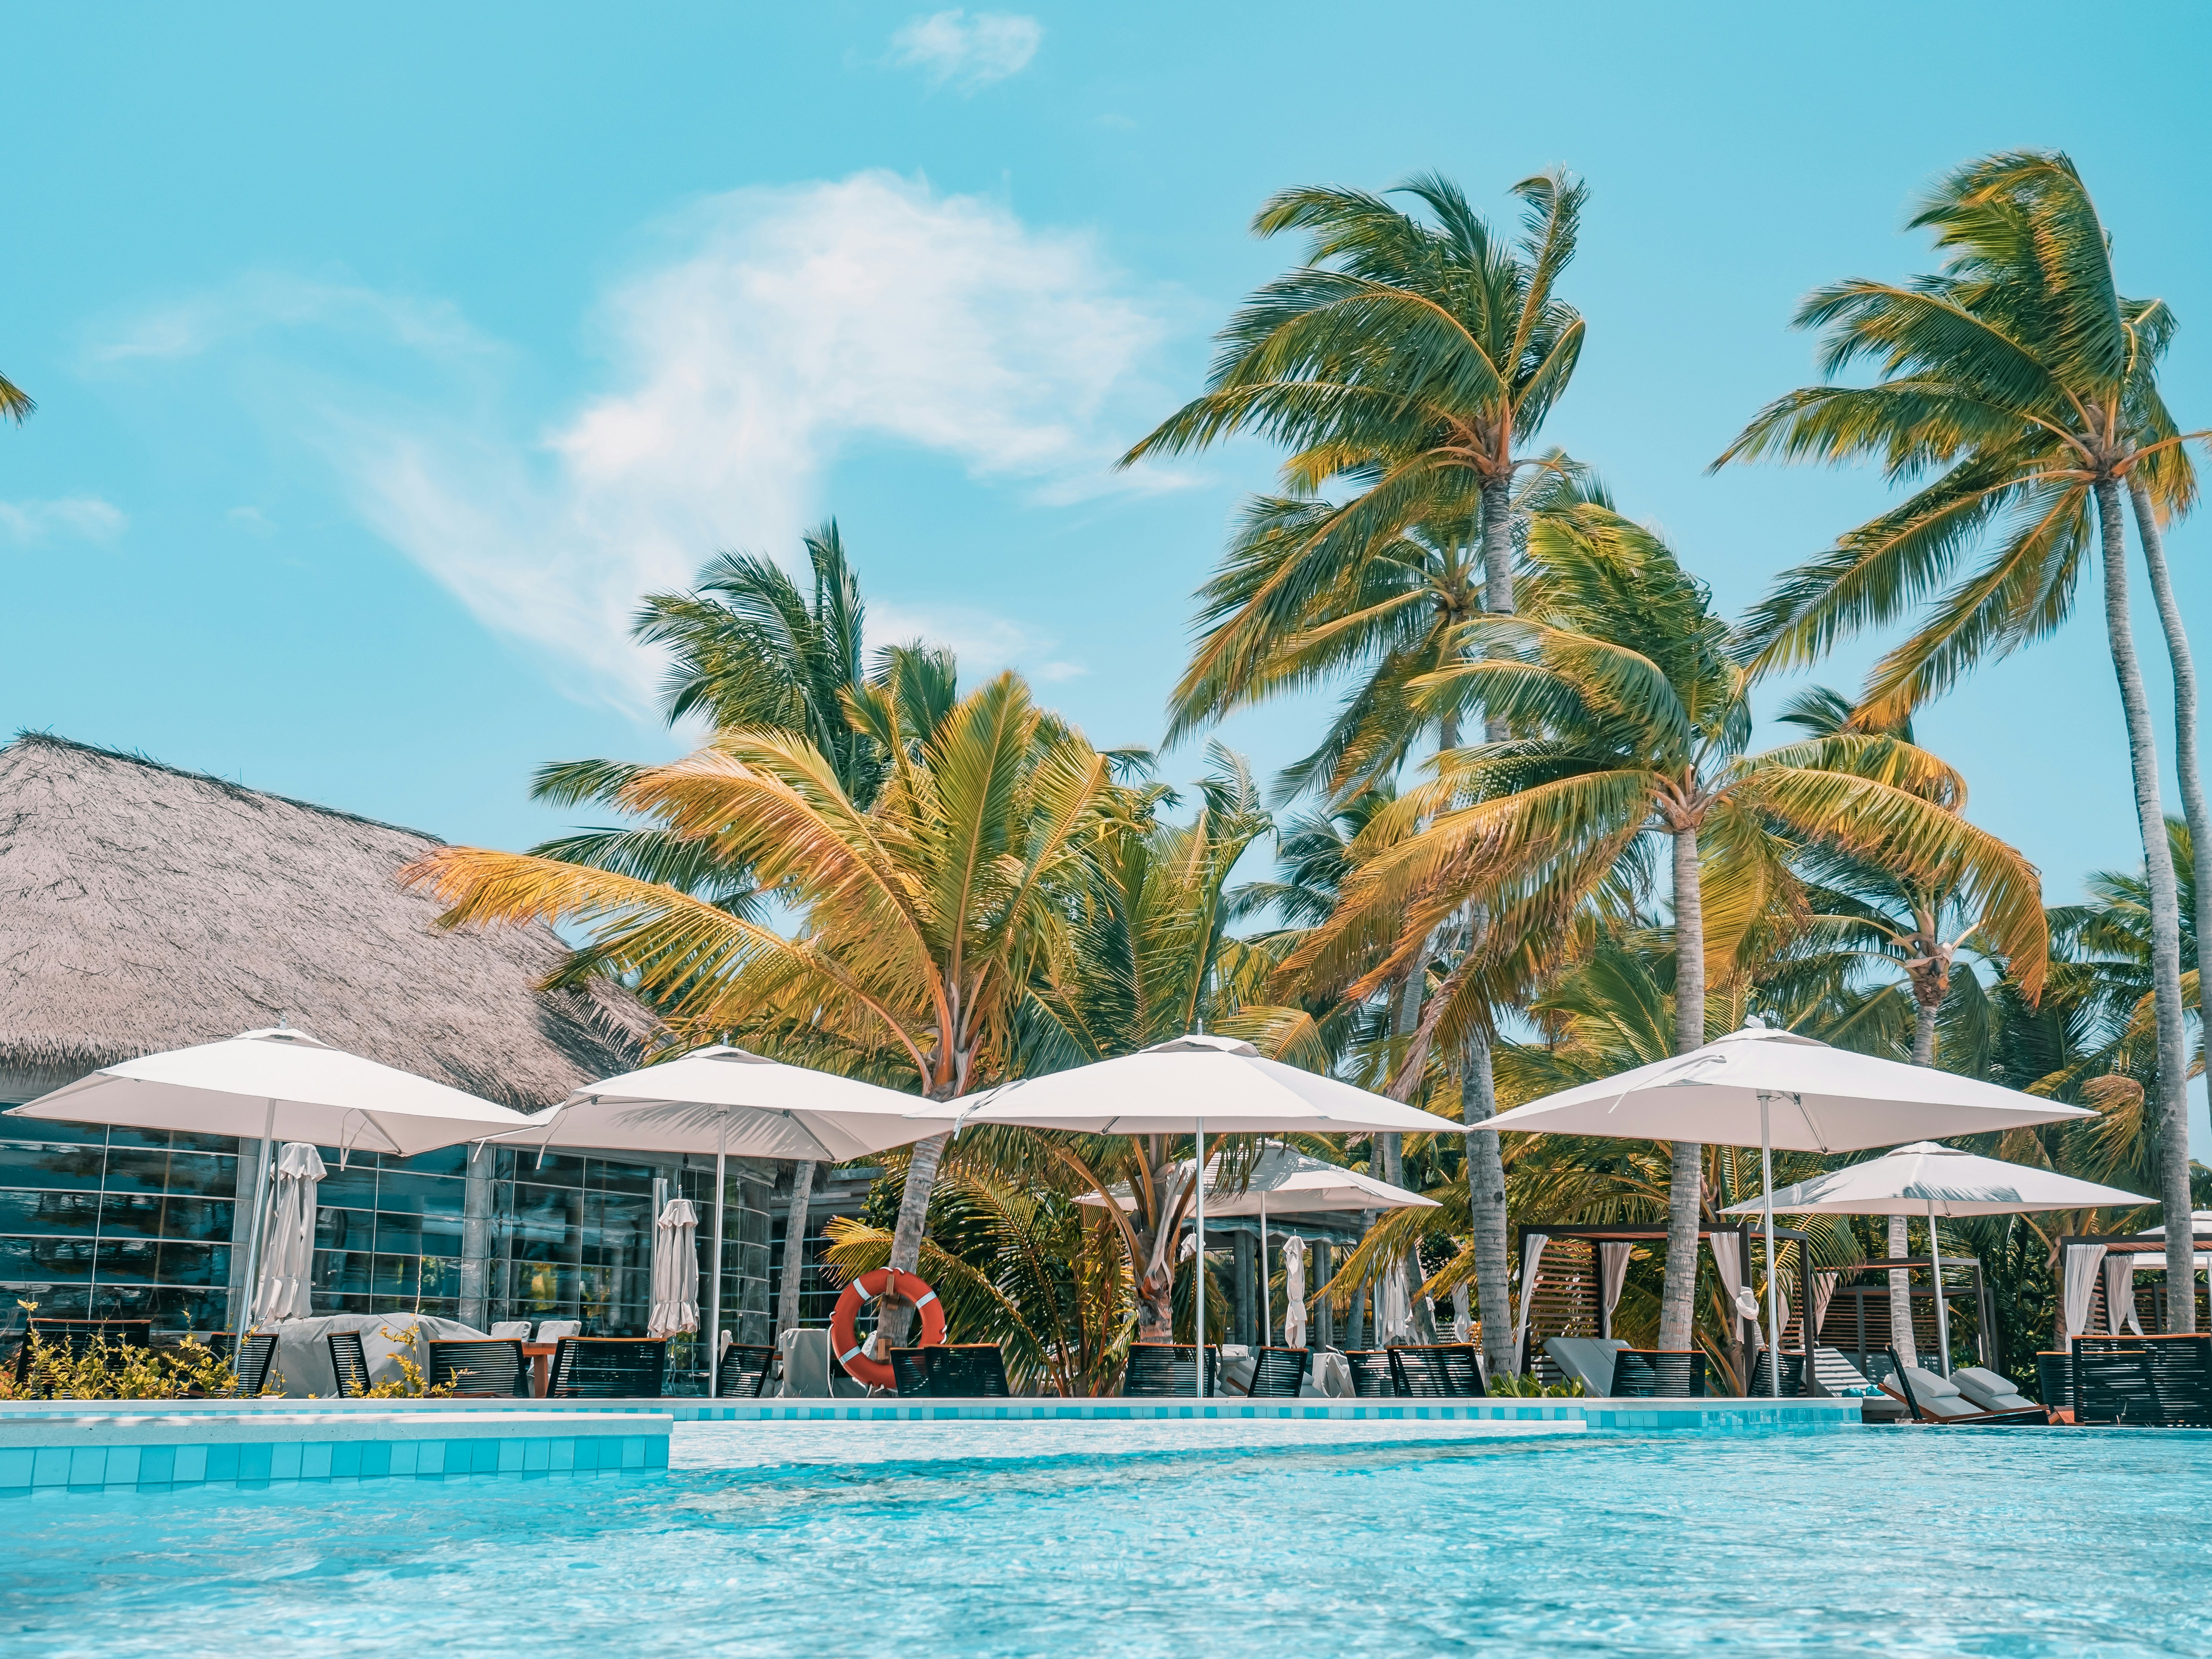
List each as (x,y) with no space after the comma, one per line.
(1727,1262)
(1612,1273)
(2081,1287)
(1532,1256)
(2120,1295)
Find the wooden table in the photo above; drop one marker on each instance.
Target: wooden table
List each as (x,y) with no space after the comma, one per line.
(540,1355)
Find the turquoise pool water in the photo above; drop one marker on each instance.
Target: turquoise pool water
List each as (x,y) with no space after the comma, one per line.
(1878,1541)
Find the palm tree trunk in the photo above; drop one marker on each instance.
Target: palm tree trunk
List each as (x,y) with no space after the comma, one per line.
(2186,762)
(2165,902)
(1923,1030)
(1686,1176)
(1901,1296)
(795,1247)
(1485,1203)
(1497,565)
(896,1317)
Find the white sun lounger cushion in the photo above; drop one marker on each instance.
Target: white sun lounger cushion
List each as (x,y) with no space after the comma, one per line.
(1990,1391)
(1926,1385)
(1949,1406)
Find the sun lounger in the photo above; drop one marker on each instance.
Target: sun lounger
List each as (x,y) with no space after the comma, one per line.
(252,1366)
(1933,1399)
(348,1363)
(745,1369)
(2054,1380)
(74,1337)
(1164,1370)
(1447,1370)
(1658,1374)
(960,1371)
(1372,1378)
(1991,1392)
(2162,1380)
(478,1368)
(1279,1372)
(1793,1377)
(608,1368)
(1586,1360)
(1329,1378)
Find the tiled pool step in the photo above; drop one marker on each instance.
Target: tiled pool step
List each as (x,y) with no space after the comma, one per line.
(73,1447)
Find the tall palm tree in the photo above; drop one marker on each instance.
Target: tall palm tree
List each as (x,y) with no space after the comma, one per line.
(923,917)
(2026,381)
(1638,720)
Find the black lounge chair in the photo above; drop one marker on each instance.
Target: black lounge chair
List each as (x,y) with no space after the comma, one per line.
(2165,1380)
(1165,1370)
(1793,1377)
(348,1364)
(1448,1371)
(2054,1380)
(1279,1373)
(956,1371)
(256,1355)
(745,1369)
(1658,1374)
(75,1336)
(479,1368)
(1373,1377)
(608,1368)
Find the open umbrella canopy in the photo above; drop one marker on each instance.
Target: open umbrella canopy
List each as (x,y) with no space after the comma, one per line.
(724,1099)
(277,1084)
(1926,1178)
(1285,1181)
(1817,1099)
(1173,1086)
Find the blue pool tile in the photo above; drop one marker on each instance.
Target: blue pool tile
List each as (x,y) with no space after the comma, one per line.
(15,1468)
(510,1455)
(376,1459)
(483,1457)
(633,1451)
(537,1455)
(656,1453)
(157,1465)
(88,1466)
(315,1460)
(191,1463)
(256,1462)
(406,1455)
(123,1466)
(53,1467)
(284,1461)
(222,1463)
(345,1459)
(564,1454)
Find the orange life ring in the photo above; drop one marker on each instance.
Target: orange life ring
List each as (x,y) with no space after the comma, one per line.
(844,1339)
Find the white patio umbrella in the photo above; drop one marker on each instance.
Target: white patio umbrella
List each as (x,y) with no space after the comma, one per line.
(289,1263)
(1936,1181)
(1768,1088)
(276,1084)
(676,1271)
(1289,1181)
(724,1101)
(1294,1292)
(1181,1087)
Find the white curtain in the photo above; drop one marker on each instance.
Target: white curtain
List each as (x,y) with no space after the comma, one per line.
(287,1256)
(2120,1295)
(1727,1262)
(1462,1319)
(675,1270)
(1294,1292)
(1532,1256)
(2081,1288)
(1612,1273)
(1394,1308)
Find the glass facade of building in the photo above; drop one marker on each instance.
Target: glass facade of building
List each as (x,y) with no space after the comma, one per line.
(128,1225)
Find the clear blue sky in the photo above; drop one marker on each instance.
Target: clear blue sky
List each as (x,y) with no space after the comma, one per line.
(384,357)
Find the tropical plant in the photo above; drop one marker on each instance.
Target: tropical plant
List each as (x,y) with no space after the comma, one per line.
(15,404)
(2023,378)
(922,918)
(1636,720)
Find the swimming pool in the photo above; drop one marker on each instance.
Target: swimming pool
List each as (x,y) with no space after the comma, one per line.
(2019,1543)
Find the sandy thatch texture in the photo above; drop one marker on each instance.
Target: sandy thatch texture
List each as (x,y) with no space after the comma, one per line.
(143,907)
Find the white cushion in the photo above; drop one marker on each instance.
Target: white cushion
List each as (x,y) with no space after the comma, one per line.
(553,1330)
(1949,1406)
(2004,1398)
(512,1330)
(1926,1385)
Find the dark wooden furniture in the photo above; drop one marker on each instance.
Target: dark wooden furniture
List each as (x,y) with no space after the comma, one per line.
(2165,1380)
(74,1336)
(2054,1380)
(1163,1370)
(348,1363)
(540,1356)
(1793,1377)
(1902,1384)
(608,1368)
(1448,1371)
(959,1370)
(745,1372)
(478,1368)
(1279,1373)
(1372,1378)
(1658,1374)
(255,1357)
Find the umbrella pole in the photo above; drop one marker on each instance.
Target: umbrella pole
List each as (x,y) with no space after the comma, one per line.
(715,1305)
(1198,1262)
(253,1235)
(1766,1209)
(1267,1293)
(1942,1312)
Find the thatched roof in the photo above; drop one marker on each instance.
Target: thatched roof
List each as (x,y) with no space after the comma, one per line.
(144,909)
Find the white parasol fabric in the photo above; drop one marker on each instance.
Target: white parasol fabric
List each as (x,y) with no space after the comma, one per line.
(1294,1292)
(675,1270)
(1283,1181)
(1909,1180)
(288,1263)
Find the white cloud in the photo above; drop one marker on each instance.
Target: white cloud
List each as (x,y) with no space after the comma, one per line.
(85,516)
(774,327)
(983,641)
(971,52)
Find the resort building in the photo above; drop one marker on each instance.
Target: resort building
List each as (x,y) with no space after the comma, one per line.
(144,909)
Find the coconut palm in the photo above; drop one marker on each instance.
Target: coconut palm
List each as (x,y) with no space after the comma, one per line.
(1637,722)
(923,918)
(2026,381)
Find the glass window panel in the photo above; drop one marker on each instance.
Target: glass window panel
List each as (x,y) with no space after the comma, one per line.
(38,1130)
(398,1235)
(182,1141)
(440,1276)
(613,1177)
(131,1214)
(122,1301)
(53,1299)
(345,1229)
(196,1217)
(50,1165)
(130,1261)
(201,1175)
(534,1290)
(47,1213)
(441,1234)
(393,1275)
(152,1140)
(341,1270)
(59,1259)
(445,1161)
(353,1188)
(192,1264)
(420,1194)
(133,1169)
(178,1308)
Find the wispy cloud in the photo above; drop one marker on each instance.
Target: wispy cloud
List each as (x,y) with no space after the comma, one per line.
(85,517)
(968,52)
(774,328)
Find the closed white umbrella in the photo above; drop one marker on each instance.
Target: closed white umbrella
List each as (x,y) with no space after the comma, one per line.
(287,1264)
(724,1101)
(1936,1181)
(676,1271)
(1765,1088)
(1181,1087)
(1294,1292)
(276,1084)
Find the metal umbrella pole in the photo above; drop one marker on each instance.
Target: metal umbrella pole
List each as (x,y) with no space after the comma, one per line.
(1267,1291)
(1942,1312)
(714,1295)
(1773,1278)
(1198,1262)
